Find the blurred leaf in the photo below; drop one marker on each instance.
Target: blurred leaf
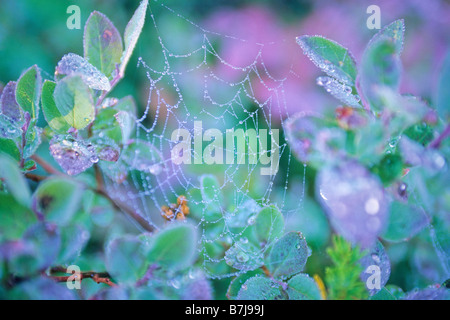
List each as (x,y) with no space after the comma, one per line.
(41,288)
(9,147)
(269,225)
(174,247)
(355,201)
(37,250)
(303,287)
(72,63)
(211,195)
(375,257)
(380,67)
(14,217)
(8,103)
(74,101)
(73,239)
(260,288)
(51,112)
(389,168)
(383,294)
(330,57)
(132,33)
(57,199)
(105,124)
(14,180)
(394,31)
(405,221)
(102,43)
(443,93)
(288,255)
(125,259)
(28,91)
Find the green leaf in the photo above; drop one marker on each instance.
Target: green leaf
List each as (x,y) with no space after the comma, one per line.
(303,287)
(380,67)
(106,124)
(41,288)
(125,259)
(269,225)
(102,43)
(9,147)
(383,294)
(260,288)
(14,217)
(132,33)
(443,93)
(57,199)
(51,112)
(330,57)
(174,248)
(28,91)
(288,255)
(14,180)
(394,31)
(74,101)
(405,221)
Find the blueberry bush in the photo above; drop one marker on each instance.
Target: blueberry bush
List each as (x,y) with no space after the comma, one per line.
(379,167)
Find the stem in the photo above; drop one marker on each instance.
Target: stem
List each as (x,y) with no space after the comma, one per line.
(436,143)
(45,165)
(99,190)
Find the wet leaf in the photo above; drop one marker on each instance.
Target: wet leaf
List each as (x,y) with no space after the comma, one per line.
(260,288)
(340,91)
(8,104)
(74,156)
(303,287)
(143,156)
(394,31)
(132,33)
(288,255)
(243,255)
(330,57)
(268,225)
(102,43)
(9,129)
(73,239)
(72,63)
(237,282)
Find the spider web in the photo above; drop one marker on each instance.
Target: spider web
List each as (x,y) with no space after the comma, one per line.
(201,85)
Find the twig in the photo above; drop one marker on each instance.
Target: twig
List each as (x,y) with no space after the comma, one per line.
(45,165)
(99,277)
(436,143)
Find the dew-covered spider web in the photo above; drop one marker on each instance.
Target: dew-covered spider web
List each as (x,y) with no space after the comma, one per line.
(192,84)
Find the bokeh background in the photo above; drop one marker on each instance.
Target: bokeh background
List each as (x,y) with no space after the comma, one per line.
(35,32)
